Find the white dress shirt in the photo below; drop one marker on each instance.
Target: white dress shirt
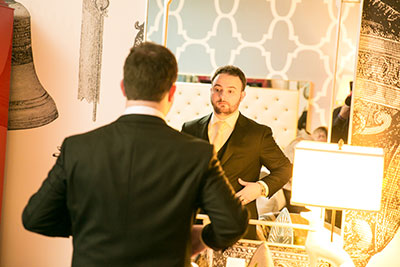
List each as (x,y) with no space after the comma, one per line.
(145,110)
(231,121)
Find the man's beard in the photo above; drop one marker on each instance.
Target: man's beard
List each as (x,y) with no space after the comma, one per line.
(225,110)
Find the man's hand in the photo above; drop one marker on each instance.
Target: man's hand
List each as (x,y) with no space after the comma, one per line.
(250,192)
(344,112)
(197,243)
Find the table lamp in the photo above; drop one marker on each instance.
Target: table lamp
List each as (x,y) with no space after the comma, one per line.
(337,176)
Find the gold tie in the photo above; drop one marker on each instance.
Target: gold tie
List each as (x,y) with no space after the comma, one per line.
(217,138)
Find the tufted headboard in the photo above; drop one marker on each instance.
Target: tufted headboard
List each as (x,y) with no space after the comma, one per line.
(277,108)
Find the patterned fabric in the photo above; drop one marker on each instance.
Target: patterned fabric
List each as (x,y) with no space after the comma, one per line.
(376,122)
(280,255)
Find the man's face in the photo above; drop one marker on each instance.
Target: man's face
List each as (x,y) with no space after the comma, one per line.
(319,136)
(226,94)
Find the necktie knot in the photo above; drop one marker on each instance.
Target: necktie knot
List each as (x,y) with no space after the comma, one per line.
(217,138)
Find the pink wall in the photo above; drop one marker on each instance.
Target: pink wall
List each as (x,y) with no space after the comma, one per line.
(6,26)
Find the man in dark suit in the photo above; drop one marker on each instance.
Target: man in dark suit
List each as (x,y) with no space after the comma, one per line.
(246,146)
(128,192)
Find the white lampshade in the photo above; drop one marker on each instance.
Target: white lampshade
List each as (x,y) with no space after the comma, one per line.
(349,178)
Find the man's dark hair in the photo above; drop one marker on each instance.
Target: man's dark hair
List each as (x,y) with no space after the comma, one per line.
(149,72)
(233,71)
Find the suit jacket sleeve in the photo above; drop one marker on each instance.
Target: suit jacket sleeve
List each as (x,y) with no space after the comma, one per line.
(228,217)
(340,127)
(277,163)
(46,212)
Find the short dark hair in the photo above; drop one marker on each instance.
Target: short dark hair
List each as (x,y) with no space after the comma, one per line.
(321,129)
(149,72)
(233,71)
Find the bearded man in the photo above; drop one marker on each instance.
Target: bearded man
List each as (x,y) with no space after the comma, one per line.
(243,145)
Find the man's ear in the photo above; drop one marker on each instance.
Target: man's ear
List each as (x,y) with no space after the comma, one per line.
(123,88)
(242,95)
(171,93)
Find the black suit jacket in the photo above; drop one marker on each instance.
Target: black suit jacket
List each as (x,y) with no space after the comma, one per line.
(127,193)
(249,147)
(340,127)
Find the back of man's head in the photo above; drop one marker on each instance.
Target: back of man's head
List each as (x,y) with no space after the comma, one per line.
(149,72)
(233,71)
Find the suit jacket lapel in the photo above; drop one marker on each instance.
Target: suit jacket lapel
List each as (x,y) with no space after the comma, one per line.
(203,127)
(236,138)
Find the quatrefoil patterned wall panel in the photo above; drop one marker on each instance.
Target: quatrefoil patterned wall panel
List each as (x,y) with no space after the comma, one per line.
(280,39)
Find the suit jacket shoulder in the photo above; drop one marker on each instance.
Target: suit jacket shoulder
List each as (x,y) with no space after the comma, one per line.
(127,128)
(197,127)
(245,121)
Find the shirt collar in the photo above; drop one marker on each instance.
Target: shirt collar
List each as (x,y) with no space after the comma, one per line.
(145,110)
(231,120)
